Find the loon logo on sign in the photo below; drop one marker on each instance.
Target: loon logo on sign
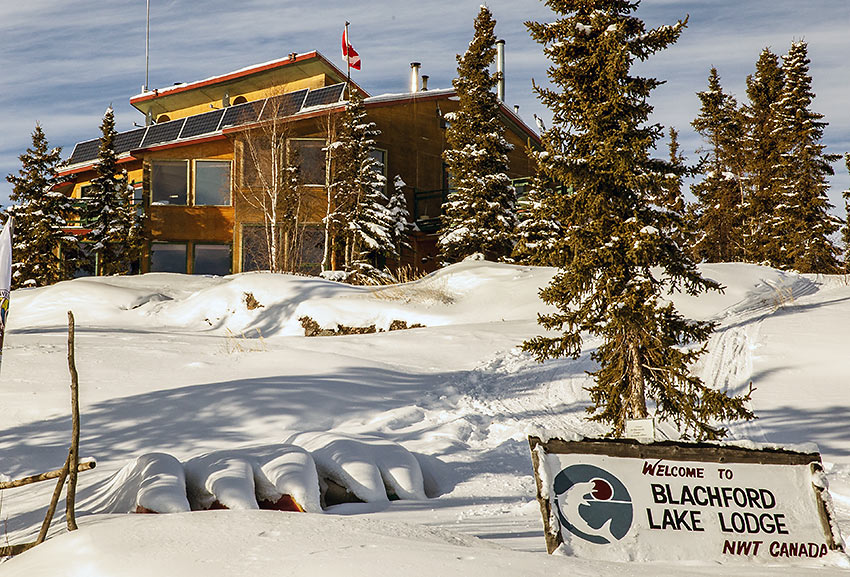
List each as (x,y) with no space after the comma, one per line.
(593,504)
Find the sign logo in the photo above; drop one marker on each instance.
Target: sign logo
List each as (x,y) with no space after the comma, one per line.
(593,504)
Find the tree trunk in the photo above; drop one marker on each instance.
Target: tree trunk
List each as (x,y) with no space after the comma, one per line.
(74,455)
(636,406)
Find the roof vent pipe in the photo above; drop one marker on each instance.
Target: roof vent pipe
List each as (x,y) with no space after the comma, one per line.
(425,78)
(500,69)
(414,76)
(516,109)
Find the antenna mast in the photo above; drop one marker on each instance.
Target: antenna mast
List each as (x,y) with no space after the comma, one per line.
(147,43)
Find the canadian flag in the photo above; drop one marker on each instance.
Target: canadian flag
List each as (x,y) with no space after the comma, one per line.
(349,54)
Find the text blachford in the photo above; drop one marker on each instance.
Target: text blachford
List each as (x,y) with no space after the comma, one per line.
(734,521)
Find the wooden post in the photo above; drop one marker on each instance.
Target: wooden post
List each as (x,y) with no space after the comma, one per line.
(84,466)
(74,455)
(51,510)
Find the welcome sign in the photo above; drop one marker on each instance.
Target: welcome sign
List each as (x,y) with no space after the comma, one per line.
(622,500)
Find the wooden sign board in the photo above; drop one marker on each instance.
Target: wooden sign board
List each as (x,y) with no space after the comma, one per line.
(621,500)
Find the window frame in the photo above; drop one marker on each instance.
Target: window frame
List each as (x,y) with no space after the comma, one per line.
(227,245)
(185,245)
(171,161)
(324,143)
(194,179)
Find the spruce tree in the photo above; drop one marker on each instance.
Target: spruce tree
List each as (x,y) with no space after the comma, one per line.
(479,213)
(402,223)
(845,232)
(43,252)
(718,214)
(362,213)
(621,261)
(671,197)
(115,235)
(538,228)
(802,223)
(762,153)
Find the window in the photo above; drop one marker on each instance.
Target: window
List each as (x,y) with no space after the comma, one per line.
(309,154)
(170,182)
(168,257)
(212,259)
(212,182)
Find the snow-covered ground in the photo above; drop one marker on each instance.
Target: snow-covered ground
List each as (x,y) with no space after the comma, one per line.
(192,399)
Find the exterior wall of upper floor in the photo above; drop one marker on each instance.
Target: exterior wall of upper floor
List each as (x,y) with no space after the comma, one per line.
(244,93)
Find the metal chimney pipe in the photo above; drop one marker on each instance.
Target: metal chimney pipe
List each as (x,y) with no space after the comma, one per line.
(414,76)
(425,78)
(500,68)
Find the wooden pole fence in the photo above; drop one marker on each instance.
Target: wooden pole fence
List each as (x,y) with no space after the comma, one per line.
(84,466)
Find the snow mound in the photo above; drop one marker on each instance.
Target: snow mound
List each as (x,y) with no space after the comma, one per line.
(369,467)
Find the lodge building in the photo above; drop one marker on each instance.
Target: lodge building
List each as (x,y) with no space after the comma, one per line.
(188,165)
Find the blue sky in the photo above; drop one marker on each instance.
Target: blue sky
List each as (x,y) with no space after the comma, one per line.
(62,63)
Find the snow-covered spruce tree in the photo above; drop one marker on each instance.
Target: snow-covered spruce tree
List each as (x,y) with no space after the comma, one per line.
(402,223)
(364,219)
(622,263)
(538,229)
(43,252)
(479,213)
(762,153)
(802,223)
(845,232)
(671,197)
(115,236)
(717,216)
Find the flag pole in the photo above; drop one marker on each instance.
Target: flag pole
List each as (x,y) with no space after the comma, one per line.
(348,58)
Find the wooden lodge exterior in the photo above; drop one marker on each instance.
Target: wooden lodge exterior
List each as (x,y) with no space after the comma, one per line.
(188,165)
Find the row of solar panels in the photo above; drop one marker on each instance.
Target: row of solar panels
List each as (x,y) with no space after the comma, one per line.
(210,122)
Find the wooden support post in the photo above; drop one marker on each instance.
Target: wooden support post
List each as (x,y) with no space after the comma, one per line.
(84,466)
(51,510)
(12,550)
(74,455)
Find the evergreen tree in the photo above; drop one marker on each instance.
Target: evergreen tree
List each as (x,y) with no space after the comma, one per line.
(671,197)
(802,224)
(115,236)
(402,223)
(718,214)
(43,252)
(621,261)
(762,153)
(362,212)
(479,213)
(538,228)
(845,232)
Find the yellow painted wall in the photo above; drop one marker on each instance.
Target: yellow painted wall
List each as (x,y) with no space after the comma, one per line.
(313,82)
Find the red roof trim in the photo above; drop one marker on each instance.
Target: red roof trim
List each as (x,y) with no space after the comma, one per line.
(91,166)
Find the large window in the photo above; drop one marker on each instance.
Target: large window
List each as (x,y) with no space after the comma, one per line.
(309,154)
(170,182)
(212,259)
(212,182)
(168,257)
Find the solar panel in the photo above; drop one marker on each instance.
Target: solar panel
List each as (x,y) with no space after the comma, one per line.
(165,132)
(84,151)
(284,105)
(241,113)
(201,123)
(326,95)
(127,141)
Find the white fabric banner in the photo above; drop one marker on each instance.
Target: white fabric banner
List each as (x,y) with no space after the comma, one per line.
(5,277)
